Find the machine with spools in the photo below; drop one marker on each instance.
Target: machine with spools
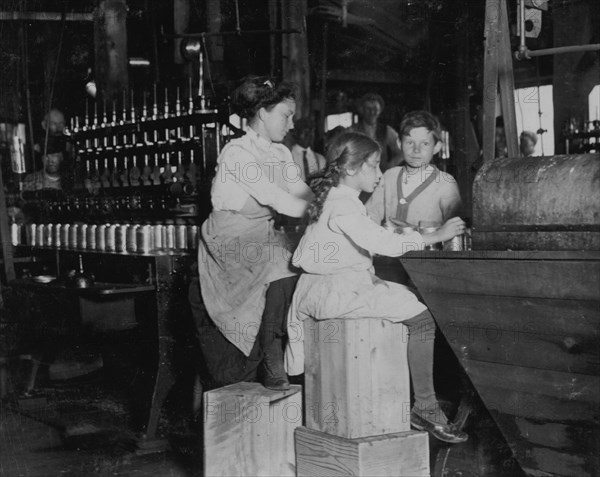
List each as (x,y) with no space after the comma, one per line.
(521,311)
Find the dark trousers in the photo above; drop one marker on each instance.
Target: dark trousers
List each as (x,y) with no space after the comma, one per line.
(224,363)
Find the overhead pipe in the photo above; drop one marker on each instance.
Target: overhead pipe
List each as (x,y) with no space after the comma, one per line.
(524,53)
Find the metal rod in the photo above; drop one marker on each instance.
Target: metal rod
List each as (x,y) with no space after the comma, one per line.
(527,54)
(522,45)
(241,32)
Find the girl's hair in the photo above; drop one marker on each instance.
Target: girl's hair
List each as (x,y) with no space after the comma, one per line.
(421,119)
(257,92)
(347,150)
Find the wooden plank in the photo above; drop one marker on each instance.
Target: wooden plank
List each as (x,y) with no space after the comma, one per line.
(405,453)
(367,392)
(550,396)
(523,278)
(490,76)
(248,430)
(507,83)
(560,449)
(540,316)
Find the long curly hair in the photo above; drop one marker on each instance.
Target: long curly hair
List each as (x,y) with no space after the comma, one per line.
(347,151)
(257,92)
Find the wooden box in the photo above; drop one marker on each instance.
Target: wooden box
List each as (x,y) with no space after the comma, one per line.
(399,454)
(356,377)
(249,430)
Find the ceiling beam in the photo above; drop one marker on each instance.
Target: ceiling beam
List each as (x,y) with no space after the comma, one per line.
(368,76)
(47,16)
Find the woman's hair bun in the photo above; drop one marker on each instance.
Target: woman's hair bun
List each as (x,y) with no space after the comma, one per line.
(255,92)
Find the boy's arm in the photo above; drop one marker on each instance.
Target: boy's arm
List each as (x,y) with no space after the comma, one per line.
(450,201)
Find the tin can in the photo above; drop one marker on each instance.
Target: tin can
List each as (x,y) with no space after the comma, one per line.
(144,238)
(91,237)
(64,235)
(181,237)
(48,235)
(56,235)
(431,246)
(169,237)
(39,235)
(101,237)
(158,232)
(192,237)
(82,236)
(73,233)
(121,238)
(110,237)
(15,234)
(132,238)
(456,244)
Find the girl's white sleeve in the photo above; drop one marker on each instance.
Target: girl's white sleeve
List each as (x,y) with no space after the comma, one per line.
(240,167)
(368,235)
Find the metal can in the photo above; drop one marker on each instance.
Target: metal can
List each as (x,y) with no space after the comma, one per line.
(30,231)
(101,237)
(192,236)
(181,237)
(455,244)
(132,238)
(48,235)
(110,238)
(169,237)
(144,238)
(82,236)
(15,234)
(91,237)
(73,233)
(158,232)
(64,235)
(121,238)
(431,246)
(39,235)
(56,235)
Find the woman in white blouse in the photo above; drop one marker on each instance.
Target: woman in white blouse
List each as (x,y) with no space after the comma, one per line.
(246,280)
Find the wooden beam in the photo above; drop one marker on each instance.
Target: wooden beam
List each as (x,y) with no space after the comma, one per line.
(47,16)
(367,76)
(490,77)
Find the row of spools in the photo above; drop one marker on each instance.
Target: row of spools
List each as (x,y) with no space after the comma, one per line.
(120,238)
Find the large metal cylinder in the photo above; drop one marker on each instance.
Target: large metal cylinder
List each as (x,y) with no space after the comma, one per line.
(538,203)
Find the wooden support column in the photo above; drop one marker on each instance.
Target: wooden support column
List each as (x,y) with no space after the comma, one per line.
(498,69)
(110,38)
(181,20)
(294,50)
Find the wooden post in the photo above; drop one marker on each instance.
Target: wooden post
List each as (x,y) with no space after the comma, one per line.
(110,35)
(7,247)
(498,67)
(181,20)
(295,53)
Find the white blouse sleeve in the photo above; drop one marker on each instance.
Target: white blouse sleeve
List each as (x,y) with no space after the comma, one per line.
(368,235)
(240,166)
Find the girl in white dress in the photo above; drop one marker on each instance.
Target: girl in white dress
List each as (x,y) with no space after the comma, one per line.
(339,282)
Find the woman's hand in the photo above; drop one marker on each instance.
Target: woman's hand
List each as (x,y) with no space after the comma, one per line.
(452,227)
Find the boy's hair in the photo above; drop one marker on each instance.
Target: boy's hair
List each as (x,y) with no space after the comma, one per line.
(421,119)
(257,92)
(348,150)
(529,135)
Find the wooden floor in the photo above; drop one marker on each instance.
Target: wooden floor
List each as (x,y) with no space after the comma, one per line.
(81,430)
(84,428)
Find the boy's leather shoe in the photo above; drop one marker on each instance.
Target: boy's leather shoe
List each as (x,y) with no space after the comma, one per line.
(276,383)
(444,432)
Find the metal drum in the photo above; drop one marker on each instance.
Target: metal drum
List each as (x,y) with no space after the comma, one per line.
(82,236)
(39,235)
(48,235)
(91,237)
(56,235)
(64,235)
(30,231)
(73,233)
(101,237)
(159,236)
(537,203)
(144,238)
(131,245)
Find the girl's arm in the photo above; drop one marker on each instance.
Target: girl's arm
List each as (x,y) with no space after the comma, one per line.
(240,167)
(378,240)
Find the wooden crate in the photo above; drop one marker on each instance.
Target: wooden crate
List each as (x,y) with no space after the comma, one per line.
(249,430)
(400,454)
(356,377)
